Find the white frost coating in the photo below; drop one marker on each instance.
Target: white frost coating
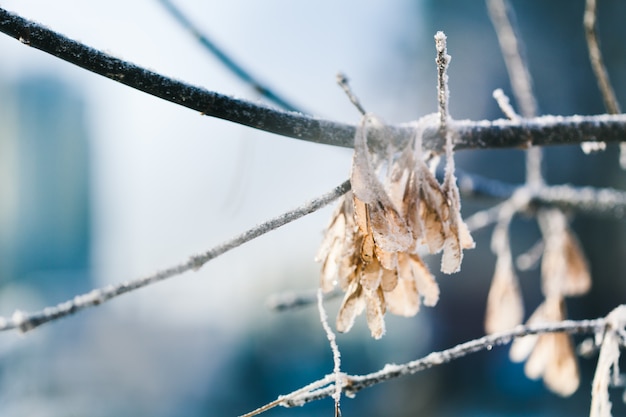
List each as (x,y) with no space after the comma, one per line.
(92,297)
(338,376)
(19,318)
(607,370)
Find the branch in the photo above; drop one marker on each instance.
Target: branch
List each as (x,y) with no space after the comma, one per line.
(28,321)
(223,57)
(354,383)
(591,200)
(595,56)
(547,130)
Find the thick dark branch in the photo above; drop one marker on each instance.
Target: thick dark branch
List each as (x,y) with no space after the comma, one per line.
(539,131)
(261,117)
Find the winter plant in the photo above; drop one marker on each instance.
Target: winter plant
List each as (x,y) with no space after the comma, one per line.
(397,208)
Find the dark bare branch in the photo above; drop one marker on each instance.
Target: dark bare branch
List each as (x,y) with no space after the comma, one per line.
(540,131)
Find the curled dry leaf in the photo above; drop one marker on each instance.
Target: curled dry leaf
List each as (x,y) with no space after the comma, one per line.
(564,268)
(607,370)
(550,355)
(371,245)
(505,308)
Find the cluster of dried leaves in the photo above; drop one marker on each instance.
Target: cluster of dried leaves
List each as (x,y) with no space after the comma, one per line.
(396,208)
(564,273)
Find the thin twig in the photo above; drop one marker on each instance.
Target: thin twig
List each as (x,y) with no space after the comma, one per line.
(291,300)
(332,339)
(225,59)
(595,56)
(344,83)
(519,76)
(28,321)
(355,383)
(548,130)
(442,60)
(602,76)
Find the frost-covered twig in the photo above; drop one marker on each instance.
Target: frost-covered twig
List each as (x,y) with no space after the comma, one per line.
(519,76)
(595,56)
(28,321)
(226,59)
(289,300)
(602,76)
(332,339)
(547,130)
(607,370)
(355,383)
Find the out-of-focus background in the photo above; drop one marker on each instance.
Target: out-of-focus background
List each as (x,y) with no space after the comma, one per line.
(100,183)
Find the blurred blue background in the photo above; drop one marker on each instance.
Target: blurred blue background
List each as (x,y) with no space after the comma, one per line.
(100,183)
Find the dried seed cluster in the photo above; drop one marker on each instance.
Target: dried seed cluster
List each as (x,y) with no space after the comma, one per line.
(396,208)
(564,273)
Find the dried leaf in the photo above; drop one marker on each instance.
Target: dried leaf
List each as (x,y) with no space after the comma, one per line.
(389,279)
(333,247)
(578,280)
(411,207)
(426,284)
(365,184)
(608,364)
(433,236)
(505,308)
(561,375)
(351,306)
(523,346)
(390,230)
(404,300)
(465,237)
(371,275)
(375,312)
(361,215)
(552,355)
(388,260)
(452,253)
(564,269)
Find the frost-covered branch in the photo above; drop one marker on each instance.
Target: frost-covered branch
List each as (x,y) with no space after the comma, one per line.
(547,130)
(355,383)
(28,321)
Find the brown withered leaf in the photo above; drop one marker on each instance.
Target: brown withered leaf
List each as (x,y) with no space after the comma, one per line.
(452,252)
(564,268)
(375,312)
(411,207)
(388,260)
(389,279)
(333,247)
(390,230)
(364,181)
(505,308)
(550,355)
(561,375)
(351,306)
(361,215)
(434,236)
(367,248)
(550,310)
(403,300)
(426,284)
(578,276)
(371,275)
